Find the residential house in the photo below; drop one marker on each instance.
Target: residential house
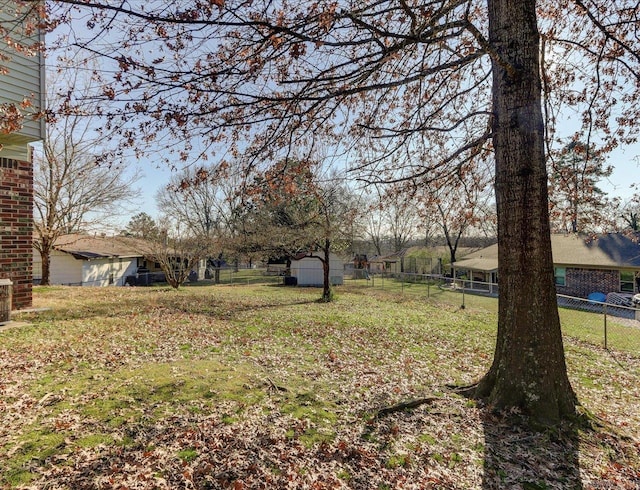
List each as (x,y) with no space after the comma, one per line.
(391,263)
(21,100)
(415,260)
(583,265)
(85,260)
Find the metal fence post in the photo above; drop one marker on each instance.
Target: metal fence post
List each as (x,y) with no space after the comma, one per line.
(605,326)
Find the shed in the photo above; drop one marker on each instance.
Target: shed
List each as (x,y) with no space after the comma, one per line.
(307,269)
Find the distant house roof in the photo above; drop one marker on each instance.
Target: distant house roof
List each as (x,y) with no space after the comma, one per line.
(87,247)
(486,263)
(384,258)
(610,251)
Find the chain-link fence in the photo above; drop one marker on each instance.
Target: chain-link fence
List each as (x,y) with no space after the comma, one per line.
(459,292)
(612,325)
(231,275)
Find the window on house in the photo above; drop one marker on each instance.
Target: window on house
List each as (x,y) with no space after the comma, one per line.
(627,279)
(560,274)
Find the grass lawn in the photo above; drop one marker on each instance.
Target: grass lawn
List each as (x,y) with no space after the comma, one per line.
(261,386)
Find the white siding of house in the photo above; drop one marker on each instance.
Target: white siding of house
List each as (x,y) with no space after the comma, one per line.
(308,271)
(106,272)
(130,267)
(24,80)
(65,269)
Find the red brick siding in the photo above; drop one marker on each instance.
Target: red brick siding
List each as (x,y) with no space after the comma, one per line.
(16,227)
(582,282)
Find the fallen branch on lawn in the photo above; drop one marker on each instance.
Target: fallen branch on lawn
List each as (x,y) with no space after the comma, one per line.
(399,407)
(274,386)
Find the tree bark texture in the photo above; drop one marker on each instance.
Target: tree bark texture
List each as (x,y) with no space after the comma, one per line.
(45,256)
(529,368)
(326,276)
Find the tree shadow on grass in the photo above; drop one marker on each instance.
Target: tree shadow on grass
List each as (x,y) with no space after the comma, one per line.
(519,457)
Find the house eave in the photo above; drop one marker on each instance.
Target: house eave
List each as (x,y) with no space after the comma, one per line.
(613,267)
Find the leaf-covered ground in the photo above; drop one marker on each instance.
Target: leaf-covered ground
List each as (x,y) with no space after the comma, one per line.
(262,387)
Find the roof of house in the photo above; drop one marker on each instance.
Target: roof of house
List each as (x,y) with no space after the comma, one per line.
(609,251)
(87,247)
(482,262)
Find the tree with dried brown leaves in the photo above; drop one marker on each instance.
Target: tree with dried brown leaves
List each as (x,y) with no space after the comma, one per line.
(458,206)
(390,77)
(298,209)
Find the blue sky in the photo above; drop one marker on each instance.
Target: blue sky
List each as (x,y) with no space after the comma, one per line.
(626,162)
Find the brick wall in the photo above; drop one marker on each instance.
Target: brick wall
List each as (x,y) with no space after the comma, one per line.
(582,282)
(16,225)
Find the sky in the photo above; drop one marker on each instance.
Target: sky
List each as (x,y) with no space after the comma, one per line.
(626,163)
(154,177)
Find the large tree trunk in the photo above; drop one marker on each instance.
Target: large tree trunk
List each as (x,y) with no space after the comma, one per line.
(46,268)
(326,276)
(45,255)
(529,368)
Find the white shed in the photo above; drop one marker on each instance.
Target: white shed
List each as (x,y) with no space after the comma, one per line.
(307,269)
